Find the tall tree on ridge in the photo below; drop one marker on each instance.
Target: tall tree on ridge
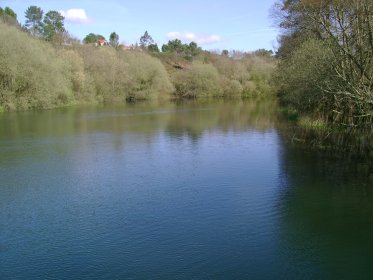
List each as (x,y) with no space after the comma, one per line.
(146,40)
(34,20)
(53,24)
(114,39)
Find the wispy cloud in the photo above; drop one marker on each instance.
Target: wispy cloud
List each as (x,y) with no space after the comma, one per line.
(76,16)
(201,39)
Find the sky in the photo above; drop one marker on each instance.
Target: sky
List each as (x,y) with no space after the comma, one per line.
(243,25)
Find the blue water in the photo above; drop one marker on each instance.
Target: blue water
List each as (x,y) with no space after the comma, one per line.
(176,191)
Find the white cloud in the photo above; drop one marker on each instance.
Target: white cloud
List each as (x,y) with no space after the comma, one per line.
(76,16)
(201,39)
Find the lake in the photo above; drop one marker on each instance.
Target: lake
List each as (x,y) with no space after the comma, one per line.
(189,190)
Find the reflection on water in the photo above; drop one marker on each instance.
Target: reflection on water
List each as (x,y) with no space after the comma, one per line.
(177,190)
(327,206)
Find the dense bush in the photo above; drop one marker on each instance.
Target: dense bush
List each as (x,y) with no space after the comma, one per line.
(219,75)
(260,69)
(199,80)
(231,88)
(245,76)
(109,74)
(326,53)
(148,78)
(125,75)
(302,76)
(32,76)
(82,82)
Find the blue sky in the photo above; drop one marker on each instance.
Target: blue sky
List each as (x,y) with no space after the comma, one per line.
(214,24)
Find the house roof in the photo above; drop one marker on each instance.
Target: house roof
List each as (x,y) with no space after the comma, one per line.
(101,41)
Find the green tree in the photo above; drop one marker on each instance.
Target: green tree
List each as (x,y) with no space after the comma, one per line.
(114,39)
(9,17)
(225,53)
(174,46)
(53,24)
(193,49)
(153,48)
(342,30)
(146,40)
(8,11)
(90,38)
(34,17)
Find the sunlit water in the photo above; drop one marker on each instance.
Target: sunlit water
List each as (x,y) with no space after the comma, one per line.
(177,191)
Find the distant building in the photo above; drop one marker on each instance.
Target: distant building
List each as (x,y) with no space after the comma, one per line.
(101,43)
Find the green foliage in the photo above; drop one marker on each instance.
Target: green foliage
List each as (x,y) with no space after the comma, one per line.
(225,53)
(32,76)
(231,88)
(326,53)
(148,78)
(35,74)
(301,77)
(8,11)
(146,40)
(263,52)
(90,38)
(125,75)
(193,49)
(153,48)
(187,50)
(173,46)
(53,24)
(82,83)
(260,69)
(34,20)
(247,76)
(114,39)
(200,80)
(8,17)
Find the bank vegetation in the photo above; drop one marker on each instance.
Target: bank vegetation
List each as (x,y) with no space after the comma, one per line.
(43,66)
(326,60)
(324,77)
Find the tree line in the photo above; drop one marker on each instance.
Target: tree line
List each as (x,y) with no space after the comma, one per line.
(43,66)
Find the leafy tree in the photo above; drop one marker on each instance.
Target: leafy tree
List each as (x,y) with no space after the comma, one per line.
(146,40)
(153,48)
(90,38)
(53,24)
(201,80)
(8,11)
(114,39)
(174,46)
(9,17)
(193,49)
(225,53)
(339,32)
(34,17)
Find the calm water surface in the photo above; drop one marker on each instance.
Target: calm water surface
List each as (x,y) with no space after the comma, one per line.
(177,191)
